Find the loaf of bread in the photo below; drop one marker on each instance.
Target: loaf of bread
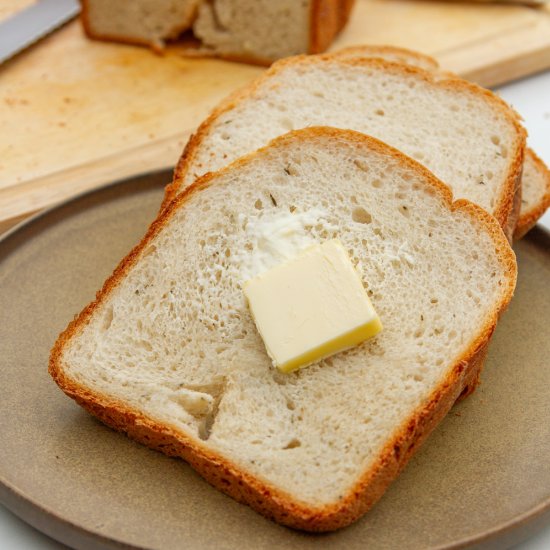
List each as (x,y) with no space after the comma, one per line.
(534,192)
(257,31)
(169,354)
(465,135)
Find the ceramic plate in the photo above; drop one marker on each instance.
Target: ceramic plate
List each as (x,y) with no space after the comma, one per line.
(482,478)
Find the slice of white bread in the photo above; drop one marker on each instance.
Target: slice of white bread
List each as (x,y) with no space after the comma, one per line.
(169,354)
(465,135)
(535,181)
(535,193)
(257,31)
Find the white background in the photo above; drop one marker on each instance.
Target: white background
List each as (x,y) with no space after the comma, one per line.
(531,98)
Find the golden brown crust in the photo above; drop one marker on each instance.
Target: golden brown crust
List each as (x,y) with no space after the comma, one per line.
(505,203)
(371,50)
(516,207)
(327,19)
(228,477)
(529,217)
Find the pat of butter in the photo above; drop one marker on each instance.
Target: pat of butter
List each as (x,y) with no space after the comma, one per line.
(311,307)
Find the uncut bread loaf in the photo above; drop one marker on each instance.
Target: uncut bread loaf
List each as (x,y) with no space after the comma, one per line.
(534,191)
(465,135)
(169,354)
(257,31)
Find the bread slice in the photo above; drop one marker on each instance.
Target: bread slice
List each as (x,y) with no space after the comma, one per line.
(535,181)
(257,31)
(169,354)
(465,135)
(535,196)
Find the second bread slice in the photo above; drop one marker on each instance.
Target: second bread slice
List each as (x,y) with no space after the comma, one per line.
(465,135)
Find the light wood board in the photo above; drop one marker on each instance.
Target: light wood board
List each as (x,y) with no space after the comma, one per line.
(75,113)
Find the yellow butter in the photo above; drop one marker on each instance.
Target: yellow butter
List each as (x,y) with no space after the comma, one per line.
(311,307)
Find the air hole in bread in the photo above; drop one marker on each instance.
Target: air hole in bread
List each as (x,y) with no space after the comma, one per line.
(489,175)
(404,210)
(286,123)
(379,112)
(434,301)
(495,140)
(290,405)
(145,345)
(360,215)
(377,183)
(362,165)
(258,205)
(108,318)
(293,443)
(149,250)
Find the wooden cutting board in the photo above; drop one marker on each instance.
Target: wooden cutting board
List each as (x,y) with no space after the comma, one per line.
(75,113)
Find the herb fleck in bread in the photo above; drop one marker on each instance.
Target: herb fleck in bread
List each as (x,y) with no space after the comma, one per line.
(465,135)
(257,31)
(168,351)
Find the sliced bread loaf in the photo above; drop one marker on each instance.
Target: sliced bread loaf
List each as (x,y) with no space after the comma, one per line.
(169,354)
(257,31)
(465,135)
(534,192)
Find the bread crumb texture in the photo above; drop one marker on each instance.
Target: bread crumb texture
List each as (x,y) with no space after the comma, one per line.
(465,135)
(171,334)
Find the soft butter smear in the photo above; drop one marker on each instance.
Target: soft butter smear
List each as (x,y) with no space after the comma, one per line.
(276,239)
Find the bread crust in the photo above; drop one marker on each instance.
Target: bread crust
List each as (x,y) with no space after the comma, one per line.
(529,218)
(504,207)
(327,19)
(377,50)
(230,478)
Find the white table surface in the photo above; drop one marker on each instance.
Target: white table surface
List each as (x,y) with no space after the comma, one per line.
(531,98)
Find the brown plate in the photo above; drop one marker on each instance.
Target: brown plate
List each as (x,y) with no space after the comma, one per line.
(483,477)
